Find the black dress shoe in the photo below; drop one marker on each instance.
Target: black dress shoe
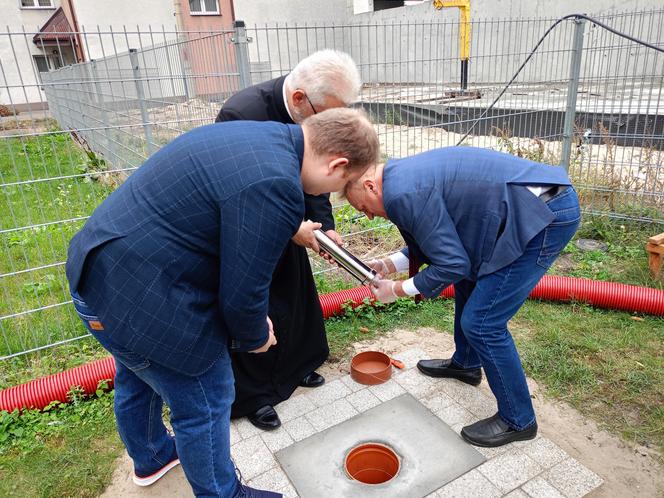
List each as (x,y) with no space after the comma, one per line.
(445,368)
(265,418)
(493,431)
(312,380)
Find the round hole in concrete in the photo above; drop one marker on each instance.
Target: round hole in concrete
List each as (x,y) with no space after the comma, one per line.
(372,463)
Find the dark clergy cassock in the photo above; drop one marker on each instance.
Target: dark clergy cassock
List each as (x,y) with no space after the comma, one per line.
(271,377)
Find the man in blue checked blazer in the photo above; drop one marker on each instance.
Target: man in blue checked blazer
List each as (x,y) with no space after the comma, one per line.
(174,268)
(491,224)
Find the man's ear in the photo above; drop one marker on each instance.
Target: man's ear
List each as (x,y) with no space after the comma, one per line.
(339,162)
(370,185)
(298,97)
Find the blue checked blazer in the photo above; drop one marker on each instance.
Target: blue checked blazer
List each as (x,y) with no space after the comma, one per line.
(177,262)
(466,211)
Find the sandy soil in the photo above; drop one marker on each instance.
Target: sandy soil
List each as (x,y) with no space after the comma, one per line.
(627,470)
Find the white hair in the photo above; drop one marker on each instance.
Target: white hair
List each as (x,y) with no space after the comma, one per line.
(326,73)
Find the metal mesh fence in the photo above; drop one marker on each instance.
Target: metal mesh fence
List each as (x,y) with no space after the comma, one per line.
(587,98)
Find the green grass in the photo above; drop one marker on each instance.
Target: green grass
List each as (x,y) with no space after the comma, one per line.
(607,364)
(67,450)
(27,209)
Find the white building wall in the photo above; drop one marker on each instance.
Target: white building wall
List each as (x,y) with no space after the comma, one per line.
(405,44)
(154,19)
(19,81)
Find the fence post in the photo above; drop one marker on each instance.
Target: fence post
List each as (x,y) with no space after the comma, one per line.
(103,115)
(181,51)
(241,43)
(140,96)
(572,89)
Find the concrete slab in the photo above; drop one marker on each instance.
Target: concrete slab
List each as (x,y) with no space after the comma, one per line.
(431,453)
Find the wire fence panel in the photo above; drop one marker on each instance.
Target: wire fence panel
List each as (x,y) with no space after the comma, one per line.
(586,98)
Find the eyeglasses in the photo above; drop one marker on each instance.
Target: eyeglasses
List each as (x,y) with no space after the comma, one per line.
(309,100)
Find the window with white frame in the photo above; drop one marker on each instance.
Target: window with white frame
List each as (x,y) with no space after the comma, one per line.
(37,4)
(203,7)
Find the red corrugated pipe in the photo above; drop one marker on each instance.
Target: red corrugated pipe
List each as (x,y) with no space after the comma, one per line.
(39,393)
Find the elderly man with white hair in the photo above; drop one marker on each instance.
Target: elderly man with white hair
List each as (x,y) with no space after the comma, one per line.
(324,80)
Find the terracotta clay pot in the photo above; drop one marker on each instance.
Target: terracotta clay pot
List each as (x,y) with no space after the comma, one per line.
(371,367)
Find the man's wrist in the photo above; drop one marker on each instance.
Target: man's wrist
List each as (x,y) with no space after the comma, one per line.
(389,265)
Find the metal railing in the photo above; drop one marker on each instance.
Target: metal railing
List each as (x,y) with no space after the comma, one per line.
(587,99)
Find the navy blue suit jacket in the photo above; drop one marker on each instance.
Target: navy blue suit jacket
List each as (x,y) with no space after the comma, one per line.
(466,211)
(177,262)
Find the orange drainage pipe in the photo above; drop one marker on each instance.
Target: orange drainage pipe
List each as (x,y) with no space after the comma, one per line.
(39,393)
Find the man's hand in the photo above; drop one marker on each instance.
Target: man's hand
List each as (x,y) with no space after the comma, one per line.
(305,235)
(271,339)
(384,290)
(336,238)
(383,267)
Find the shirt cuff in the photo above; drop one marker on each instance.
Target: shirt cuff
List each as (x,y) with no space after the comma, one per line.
(400,261)
(408,286)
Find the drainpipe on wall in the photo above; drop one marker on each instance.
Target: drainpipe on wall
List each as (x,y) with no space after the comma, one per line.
(179,21)
(80,55)
(464,34)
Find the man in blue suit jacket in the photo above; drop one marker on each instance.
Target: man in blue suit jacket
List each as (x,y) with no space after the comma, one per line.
(491,224)
(174,268)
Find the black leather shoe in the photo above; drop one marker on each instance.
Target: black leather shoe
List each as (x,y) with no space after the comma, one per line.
(312,380)
(265,418)
(493,431)
(445,368)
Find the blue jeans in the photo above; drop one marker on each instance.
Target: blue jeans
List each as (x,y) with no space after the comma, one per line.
(200,414)
(483,308)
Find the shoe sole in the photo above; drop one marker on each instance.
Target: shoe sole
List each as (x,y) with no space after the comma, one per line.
(474,383)
(487,445)
(152,478)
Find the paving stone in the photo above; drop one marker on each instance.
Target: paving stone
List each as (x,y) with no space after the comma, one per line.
(470,485)
(510,470)
(544,452)
(273,480)
(348,381)
(437,401)
(476,402)
(540,488)
(235,434)
(490,453)
(329,415)
(294,407)
(327,393)
(455,414)
(363,400)
(457,390)
(517,493)
(252,457)
(387,390)
(457,428)
(415,383)
(410,357)
(276,439)
(246,429)
(572,479)
(289,492)
(494,452)
(299,428)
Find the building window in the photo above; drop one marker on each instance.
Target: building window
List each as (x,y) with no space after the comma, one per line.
(41,62)
(203,7)
(46,63)
(37,4)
